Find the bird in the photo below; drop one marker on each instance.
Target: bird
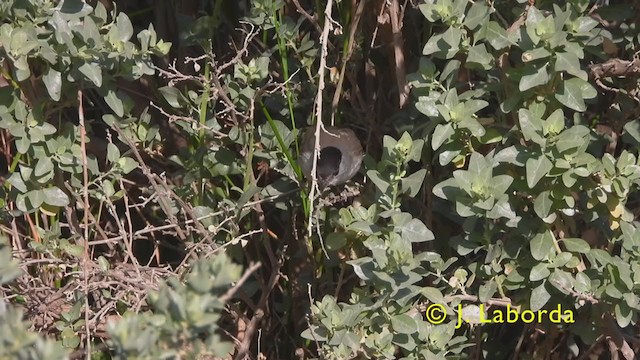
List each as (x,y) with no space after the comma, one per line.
(340,158)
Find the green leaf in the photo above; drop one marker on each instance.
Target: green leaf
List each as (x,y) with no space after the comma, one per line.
(404,324)
(535,75)
(379,182)
(584,24)
(500,184)
(531,126)
(570,96)
(416,151)
(93,72)
(474,127)
(491,136)
(16,181)
(576,245)
(35,197)
(416,231)
(498,36)
(624,314)
(446,44)
(503,208)
(335,241)
(433,295)
(171,95)
(74,8)
(427,106)
(554,123)
(537,169)
(486,290)
(69,338)
(539,297)
(478,55)
(542,204)
(446,189)
(413,183)
(127,164)
(55,197)
(53,82)
(561,280)
(441,134)
(572,138)
(432,45)
(113,153)
(125,29)
(316,333)
(103,263)
(539,272)
(476,16)
(573,92)
(583,283)
(451,38)
(43,166)
(429,11)
(535,54)
(464,180)
(115,103)
(541,245)
(534,17)
(632,130)
(480,167)
(569,62)
(363,267)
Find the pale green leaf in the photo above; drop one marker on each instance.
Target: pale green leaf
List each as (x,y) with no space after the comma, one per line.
(535,75)
(541,245)
(93,72)
(539,297)
(115,103)
(55,197)
(53,82)
(537,169)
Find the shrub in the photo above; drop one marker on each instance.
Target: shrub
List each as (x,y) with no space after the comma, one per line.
(155,207)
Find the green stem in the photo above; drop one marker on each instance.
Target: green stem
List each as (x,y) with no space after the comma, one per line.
(395,185)
(282,50)
(287,154)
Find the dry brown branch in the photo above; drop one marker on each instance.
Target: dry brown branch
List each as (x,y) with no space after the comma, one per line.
(231,292)
(259,314)
(163,196)
(398,43)
(312,19)
(241,52)
(352,40)
(615,68)
(328,25)
(579,296)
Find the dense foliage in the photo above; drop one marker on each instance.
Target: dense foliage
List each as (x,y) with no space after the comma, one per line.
(153,207)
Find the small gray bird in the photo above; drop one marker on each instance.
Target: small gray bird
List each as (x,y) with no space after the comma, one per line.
(340,155)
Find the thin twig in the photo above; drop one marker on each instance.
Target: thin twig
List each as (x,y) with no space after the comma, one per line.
(163,196)
(328,25)
(85,193)
(311,19)
(190,221)
(229,294)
